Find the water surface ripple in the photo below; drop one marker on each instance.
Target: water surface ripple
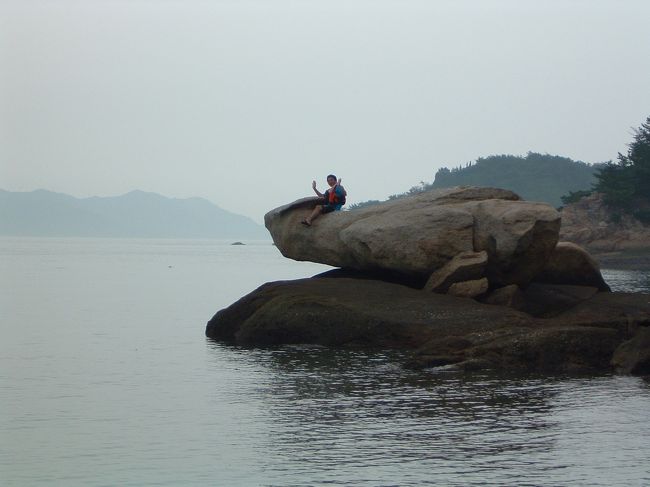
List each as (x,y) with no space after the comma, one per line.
(350,417)
(107,379)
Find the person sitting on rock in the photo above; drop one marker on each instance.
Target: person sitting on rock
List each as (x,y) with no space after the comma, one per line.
(334,199)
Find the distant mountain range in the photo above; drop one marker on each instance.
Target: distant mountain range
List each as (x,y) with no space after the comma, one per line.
(135,214)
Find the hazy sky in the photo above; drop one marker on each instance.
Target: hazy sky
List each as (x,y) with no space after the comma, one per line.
(245,102)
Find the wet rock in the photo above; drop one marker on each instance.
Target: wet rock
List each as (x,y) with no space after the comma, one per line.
(443,329)
(633,356)
(346,312)
(546,300)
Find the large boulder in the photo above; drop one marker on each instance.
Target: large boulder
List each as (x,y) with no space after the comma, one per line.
(596,334)
(417,235)
(571,264)
(351,312)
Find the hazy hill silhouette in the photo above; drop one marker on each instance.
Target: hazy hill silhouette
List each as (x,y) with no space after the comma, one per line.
(135,214)
(536,177)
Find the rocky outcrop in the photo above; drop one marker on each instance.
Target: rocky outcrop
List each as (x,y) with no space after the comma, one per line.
(500,291)
(351,312)
(417,235)
(593,225)
(596,333)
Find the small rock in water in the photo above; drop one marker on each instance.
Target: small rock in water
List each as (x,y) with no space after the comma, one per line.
(238,243)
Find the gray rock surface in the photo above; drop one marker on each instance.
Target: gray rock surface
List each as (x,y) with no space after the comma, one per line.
(417,235)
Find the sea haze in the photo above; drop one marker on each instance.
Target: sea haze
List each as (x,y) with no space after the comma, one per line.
(136,214)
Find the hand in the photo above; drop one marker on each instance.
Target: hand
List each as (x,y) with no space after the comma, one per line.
(338,183)
(313,185)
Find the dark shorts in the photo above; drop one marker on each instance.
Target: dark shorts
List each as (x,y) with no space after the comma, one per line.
(329,208)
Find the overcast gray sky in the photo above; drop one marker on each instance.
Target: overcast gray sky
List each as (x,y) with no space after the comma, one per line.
(245,102)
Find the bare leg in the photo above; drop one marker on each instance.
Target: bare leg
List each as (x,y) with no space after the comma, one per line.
(314,214)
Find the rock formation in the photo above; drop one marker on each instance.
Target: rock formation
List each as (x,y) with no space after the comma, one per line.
(591,224)
(416,236)
(409,270)
(594,334)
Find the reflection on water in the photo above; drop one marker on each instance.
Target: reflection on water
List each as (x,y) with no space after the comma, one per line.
(341,417)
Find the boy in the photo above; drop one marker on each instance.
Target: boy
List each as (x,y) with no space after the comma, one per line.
(334,199)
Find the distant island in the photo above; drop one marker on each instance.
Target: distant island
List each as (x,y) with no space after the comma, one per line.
(136,214)
(535,177)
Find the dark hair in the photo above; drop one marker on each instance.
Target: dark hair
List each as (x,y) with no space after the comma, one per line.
(331,176)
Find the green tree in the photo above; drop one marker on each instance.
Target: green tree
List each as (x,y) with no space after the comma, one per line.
(626,183)
(575,196)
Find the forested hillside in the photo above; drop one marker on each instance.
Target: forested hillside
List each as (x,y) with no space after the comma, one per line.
(536,177)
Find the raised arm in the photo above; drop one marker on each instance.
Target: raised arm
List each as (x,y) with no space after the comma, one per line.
(313,186)
(338,183)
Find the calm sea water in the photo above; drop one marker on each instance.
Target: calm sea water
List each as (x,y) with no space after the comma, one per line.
(106,378)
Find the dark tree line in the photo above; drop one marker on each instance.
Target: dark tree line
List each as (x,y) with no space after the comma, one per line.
(625,183)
